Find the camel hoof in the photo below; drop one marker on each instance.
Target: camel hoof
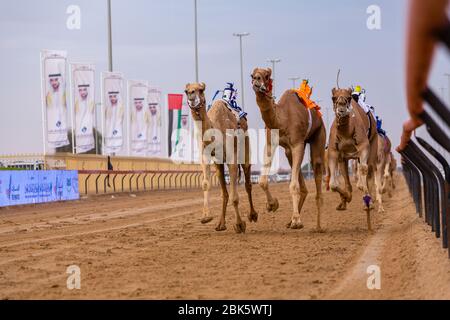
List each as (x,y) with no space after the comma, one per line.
(295,225)
(272,207)
(240,227)
(371,206)
(221,227)
(349,198)
(342,207)
(319,230)
(253,216)
(206,220)
(381,210)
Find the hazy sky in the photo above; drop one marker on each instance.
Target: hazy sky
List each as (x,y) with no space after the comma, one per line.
(154,40)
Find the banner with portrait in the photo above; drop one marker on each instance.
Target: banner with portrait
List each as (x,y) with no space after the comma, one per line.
(83,104)
(113,114)
(154,136)
(54,99)
(139,117)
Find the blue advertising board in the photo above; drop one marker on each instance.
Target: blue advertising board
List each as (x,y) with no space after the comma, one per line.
(28,186)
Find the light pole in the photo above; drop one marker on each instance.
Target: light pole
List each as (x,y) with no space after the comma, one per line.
(110,55)
(196,41)
(273,61)
(448,77)
(442,93)
(294,79)
(240,35)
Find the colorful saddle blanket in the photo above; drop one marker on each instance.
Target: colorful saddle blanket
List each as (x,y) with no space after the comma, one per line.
(304,94)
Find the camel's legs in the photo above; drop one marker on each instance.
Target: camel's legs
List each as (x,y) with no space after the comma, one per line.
(363,167)
(297,186)
(272,203)
(206,186)
(387,178)
(334,182)
(233,170)
(253,215)
(379,183)
(359,180)
(221,176)
(347,196)
(317,160)
(355,171)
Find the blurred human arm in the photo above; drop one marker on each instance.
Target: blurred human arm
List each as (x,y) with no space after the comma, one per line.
(425,18)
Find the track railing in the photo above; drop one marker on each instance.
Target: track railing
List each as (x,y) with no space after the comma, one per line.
(430,188)
(102,181)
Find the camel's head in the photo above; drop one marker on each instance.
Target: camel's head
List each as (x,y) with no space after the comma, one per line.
(342,102)
(261,80)
(195,93)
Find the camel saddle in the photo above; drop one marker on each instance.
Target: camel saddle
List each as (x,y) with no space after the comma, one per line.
(304,94)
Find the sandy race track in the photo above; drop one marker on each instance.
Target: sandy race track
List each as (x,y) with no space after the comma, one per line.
(153,246)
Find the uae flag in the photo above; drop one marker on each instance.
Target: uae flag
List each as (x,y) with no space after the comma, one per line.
(175,112)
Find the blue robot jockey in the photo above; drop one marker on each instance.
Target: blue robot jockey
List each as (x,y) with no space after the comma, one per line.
(229,95)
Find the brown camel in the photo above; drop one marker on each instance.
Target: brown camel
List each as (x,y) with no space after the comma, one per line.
(215,123)
(296,126)
(353,135)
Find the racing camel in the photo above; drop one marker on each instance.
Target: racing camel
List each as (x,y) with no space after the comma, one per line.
(353,135)
(382,175)
(297,125)
(221,118)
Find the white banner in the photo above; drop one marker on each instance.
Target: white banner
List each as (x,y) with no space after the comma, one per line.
(55,123)
(139,117)
(83,102)
(113,97)
(154,136)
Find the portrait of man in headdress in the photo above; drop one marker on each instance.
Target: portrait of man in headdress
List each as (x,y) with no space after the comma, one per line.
(139,125)
(56,103)
(114,116)
(154,123)
(84,108)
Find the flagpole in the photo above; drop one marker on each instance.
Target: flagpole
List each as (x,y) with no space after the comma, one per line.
(240,35)
(44,109)
(196,42)
(102,114)
(72,113)
(110,55)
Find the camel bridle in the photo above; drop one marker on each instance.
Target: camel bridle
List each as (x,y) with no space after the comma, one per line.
(341,101)
(199,102)
(262,87)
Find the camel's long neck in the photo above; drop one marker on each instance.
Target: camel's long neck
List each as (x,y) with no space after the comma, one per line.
(267,107)
(201,118)
(343,126)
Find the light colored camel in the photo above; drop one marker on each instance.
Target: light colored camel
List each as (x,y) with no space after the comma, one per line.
(389,175)
(297,126)
(383,165)
(220,118)
(350,139)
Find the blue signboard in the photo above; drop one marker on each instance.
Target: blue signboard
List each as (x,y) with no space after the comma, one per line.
(28,187)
